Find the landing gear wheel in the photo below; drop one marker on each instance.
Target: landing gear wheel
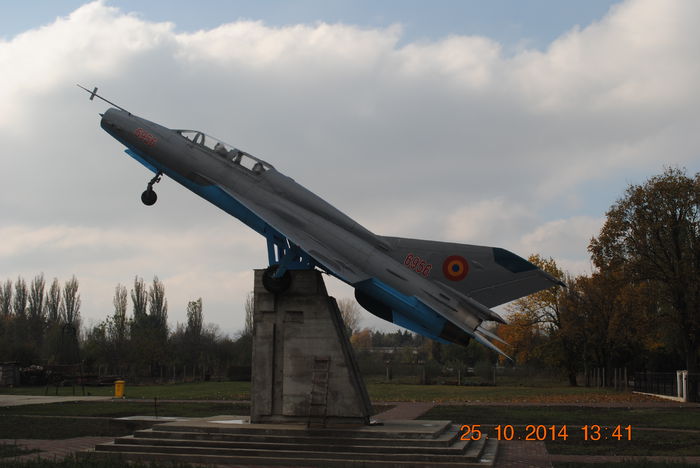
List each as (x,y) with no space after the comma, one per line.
(276,285)
(149,197)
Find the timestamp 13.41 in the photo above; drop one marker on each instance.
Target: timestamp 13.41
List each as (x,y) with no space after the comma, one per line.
(541,432)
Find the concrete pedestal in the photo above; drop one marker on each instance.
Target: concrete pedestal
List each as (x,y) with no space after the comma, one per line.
(304,370)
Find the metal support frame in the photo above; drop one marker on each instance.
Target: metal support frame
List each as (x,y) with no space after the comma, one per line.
(287,256)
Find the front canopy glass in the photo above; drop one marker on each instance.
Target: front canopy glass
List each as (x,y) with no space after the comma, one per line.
(226,151)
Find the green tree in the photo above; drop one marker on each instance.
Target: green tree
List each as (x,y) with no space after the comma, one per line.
(195,318)
(652,234)
(548,313)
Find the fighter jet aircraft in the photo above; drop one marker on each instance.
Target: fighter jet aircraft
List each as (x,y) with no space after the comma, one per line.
(441,290)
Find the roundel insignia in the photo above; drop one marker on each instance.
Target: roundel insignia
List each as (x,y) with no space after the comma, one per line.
(455,268)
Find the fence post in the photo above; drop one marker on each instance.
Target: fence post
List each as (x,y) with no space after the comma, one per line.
(682,384)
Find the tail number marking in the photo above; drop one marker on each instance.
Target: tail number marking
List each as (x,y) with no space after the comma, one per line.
(146,137)
(417,264)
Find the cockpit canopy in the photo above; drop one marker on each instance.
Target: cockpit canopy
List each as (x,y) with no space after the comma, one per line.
(226,151)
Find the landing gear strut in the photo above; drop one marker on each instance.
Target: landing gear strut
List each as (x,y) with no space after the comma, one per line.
(149,197)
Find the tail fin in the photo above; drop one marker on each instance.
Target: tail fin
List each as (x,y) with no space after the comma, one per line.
(489,275)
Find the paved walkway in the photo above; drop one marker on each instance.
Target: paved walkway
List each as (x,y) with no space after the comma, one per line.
(404,410)
(18,400)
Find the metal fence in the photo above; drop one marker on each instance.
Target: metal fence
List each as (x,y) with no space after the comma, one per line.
(658,383)
(667,383)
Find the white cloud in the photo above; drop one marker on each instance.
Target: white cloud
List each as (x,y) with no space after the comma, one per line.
(435,139)
(562,240)
(488,222)
(192,263)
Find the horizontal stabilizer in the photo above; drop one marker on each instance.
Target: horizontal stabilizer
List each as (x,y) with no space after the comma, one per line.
(484,341)
(493,336)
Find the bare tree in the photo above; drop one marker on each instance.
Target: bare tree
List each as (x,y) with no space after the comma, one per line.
(53,302)
(36,314)
(139,299)
(119,321)
(6,299)
(35,307)
(158,307)
(19,304)
(117,329)
(71,303)
(350,312)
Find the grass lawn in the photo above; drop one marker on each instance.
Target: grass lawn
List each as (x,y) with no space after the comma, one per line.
(228,391)
(117,409)
(77,419)
(180,391)
(40,427)
(499,394)
(669,418)
(644,442)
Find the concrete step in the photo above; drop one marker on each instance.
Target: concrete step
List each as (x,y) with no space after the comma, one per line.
(445,439)
(355,446)
(395,429)
(272,460)
(341,453)
(475,448)
(221,441)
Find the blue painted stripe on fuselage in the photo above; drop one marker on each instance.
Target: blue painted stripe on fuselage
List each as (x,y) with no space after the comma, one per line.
(151,167)
(407,311)
(214,195)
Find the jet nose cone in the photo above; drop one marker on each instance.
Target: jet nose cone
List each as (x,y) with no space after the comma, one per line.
(111,121)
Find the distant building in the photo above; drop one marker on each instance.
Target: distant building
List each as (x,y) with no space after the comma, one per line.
(9,374)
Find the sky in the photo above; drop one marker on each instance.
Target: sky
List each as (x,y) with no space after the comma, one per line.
(506,123)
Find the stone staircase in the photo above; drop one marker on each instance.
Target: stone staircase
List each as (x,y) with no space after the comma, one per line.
(223,441)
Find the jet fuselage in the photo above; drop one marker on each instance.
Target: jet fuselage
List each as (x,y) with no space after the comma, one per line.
(404,281)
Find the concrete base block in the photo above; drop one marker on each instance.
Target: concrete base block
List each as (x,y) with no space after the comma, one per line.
(304,370)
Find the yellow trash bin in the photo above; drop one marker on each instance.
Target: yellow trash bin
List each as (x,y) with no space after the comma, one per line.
(119,388)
